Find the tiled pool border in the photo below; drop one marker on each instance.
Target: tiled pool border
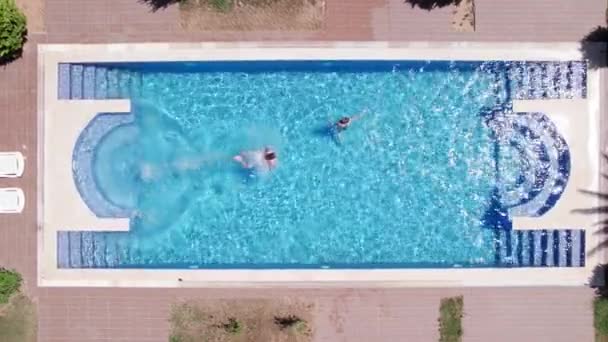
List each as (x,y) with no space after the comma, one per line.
(50,55)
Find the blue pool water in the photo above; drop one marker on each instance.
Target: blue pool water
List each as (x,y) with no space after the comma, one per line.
(413,182)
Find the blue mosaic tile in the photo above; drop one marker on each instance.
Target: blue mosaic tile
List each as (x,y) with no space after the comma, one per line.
(82,163)
(89,82)
(64,87)
(76,79)
(101,83)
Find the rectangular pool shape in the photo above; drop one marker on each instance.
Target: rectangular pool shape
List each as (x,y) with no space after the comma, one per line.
(429,171)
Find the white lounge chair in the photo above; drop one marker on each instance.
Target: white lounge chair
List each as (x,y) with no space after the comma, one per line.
(11,164)
(12,200)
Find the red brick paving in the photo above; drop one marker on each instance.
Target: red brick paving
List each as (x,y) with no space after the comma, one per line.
(342,315)
(18,133)
(497,20)
(349,315)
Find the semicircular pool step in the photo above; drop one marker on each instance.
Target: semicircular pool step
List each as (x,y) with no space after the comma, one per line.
(533,142)
(82,163)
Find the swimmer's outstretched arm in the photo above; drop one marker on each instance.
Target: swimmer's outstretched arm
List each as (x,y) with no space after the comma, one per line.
(360,114)
(195,162)
(239,159)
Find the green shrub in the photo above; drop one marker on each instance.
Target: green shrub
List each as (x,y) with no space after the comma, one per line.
(10,282)
(450,319)
(600,313)
(233,326)
(12,30)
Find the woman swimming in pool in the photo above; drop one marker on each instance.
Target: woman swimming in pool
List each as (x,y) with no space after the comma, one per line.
(260,160)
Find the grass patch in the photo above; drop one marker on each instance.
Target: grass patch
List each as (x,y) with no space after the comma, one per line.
(600,317)
(221,5)
(241,321)
(450,319)
(10,282)
(226,5)
(247,15)
(18,320)
(17,312)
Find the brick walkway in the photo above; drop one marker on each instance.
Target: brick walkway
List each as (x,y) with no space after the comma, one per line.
(497,20)
(345,315)
(505,314)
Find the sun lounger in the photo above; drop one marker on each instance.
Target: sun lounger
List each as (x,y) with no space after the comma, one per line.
(11,164)
(12,200)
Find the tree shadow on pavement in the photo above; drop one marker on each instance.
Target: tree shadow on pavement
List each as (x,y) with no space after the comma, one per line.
(601,210)
(598,280)
(155,5)
(593,47)
(430,4)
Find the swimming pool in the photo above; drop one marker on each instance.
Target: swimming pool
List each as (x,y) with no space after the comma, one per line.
(431,172)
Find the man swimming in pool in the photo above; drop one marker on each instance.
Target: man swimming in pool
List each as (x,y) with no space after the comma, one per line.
(260,160)
(345,122)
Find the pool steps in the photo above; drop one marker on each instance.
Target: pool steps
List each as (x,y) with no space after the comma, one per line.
(88,81)
(540,248)
(539,80)
(76,82)
(513,248)
(85,250)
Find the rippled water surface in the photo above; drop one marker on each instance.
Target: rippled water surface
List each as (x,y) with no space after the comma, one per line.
(407,184)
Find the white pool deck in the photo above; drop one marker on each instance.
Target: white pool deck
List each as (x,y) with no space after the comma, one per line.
(61,208)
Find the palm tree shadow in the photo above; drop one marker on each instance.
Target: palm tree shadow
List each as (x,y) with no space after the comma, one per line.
(593,47)
(603,222)
(601,210)
(598,280)
(156,5)
(431,4)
